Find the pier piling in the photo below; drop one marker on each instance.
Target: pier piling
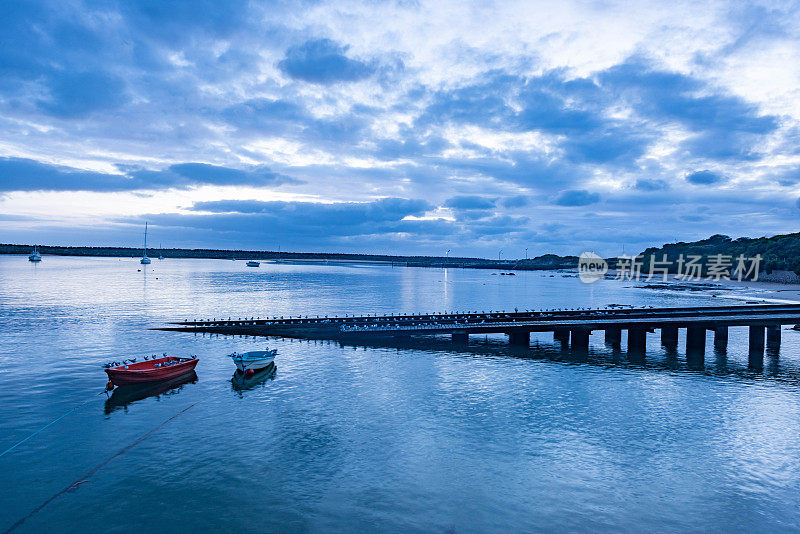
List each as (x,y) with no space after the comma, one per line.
(461,338)
(580,338)
(613,335)
(721,338)
(774,336)
(561,334)
(756,347)
(519,337)
(696,346)
(669,336)
(637,340)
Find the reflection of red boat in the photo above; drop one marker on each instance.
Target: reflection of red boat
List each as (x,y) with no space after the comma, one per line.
(126,395)
(150,370)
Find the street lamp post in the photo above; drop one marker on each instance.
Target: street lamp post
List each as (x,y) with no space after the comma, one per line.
(499,253)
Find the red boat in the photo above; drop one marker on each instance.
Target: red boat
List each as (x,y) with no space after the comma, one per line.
(150,370)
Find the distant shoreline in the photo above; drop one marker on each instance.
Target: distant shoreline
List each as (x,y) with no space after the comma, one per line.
(541,263)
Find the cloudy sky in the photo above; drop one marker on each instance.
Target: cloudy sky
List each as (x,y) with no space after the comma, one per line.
(408,127)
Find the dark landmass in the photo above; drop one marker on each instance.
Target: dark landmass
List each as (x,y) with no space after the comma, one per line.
(780,252)
(546,262)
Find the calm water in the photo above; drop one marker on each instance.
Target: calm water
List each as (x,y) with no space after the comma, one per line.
(417,438)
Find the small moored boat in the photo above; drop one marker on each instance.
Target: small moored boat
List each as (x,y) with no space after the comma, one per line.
(150,370)
(253,264)
(145,260)
(249,362)
(35,256)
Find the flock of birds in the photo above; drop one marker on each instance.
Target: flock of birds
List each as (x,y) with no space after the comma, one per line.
(132,360)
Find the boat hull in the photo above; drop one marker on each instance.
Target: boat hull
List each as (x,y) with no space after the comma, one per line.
(255,365)
(143,372)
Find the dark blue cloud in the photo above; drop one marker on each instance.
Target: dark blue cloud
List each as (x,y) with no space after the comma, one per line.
(518,166)
(574,109)
(384,209)
(182,19)
(725,126)
(705,177)
(577,197)
(482,103)
(19,174)
(498,225)
(470,202)
(289,119)
(323,61)
(721,126)
(517,201)
(76,94)
(307,220)
(614,144)
(410,145)
(308,224)
(650,185)
(267,116)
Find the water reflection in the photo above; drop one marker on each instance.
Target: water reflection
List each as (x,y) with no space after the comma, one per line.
(125,395)
(713,363)
(240,382)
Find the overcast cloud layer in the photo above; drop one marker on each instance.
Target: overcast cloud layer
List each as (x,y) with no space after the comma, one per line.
(398,127)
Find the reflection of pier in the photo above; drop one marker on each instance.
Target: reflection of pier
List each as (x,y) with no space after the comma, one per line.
(571,327)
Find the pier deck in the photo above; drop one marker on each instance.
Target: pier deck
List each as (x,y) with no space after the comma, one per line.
(573,325)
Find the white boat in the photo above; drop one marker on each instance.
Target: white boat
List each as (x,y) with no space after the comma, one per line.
(145,260)
(254,360)
(35,256)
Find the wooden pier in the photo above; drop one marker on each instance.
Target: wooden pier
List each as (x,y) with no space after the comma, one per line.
(571,327)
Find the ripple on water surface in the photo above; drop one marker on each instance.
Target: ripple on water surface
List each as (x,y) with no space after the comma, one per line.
(413,436)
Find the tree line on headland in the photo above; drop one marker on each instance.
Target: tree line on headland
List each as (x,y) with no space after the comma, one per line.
(777,253)
(780,252)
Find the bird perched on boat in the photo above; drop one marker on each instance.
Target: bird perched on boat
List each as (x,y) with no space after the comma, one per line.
(133,360)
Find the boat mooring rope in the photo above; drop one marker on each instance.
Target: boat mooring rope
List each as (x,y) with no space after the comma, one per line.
(51,423)
(74,486)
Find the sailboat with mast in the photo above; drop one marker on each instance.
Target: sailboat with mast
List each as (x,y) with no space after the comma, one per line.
(145,260)
(35,256)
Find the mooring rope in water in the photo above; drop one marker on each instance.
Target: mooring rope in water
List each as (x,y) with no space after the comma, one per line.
(85,478)
(51,423)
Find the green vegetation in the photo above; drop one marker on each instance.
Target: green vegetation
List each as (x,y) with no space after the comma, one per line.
(781,252)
